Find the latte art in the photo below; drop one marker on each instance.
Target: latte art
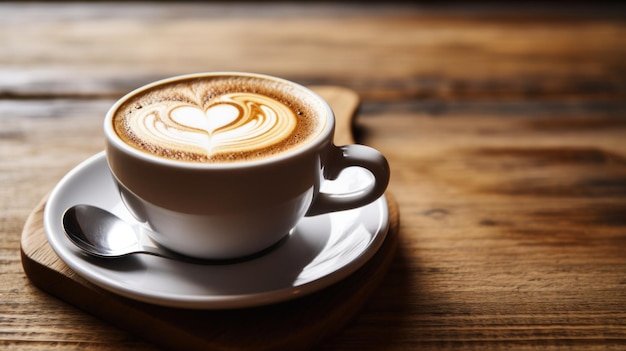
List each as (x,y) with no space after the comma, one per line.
(233,123)
(219,119)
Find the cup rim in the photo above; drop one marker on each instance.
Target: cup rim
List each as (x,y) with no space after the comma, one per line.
(113,139)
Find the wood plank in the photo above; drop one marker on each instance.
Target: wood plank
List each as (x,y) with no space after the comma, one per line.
(512,231)
(396,53)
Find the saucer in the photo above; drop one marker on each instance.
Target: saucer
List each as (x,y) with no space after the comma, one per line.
(320,251)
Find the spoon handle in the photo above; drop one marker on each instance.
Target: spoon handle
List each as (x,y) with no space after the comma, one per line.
(147,246)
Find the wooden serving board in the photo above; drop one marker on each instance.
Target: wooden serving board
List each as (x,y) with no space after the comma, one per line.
(292,325)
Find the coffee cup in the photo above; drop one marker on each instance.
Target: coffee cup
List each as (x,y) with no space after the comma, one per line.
(224,165)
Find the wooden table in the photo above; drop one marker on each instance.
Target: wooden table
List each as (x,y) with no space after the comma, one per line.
(505,128)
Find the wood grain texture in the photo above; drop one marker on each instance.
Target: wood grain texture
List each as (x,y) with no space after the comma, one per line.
(382,52)
(504,128)
(512,235)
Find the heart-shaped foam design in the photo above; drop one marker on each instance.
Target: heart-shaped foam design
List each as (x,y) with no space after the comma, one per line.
(216,117)
(236,122)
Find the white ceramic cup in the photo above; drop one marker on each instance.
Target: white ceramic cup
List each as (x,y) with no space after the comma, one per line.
(231,210)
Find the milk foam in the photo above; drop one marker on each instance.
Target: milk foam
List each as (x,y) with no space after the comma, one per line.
(212,120)
(236,122)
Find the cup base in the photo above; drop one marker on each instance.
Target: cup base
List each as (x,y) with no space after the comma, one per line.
(224,261)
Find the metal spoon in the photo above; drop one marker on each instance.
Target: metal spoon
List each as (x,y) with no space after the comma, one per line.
(100,233)
(103,234)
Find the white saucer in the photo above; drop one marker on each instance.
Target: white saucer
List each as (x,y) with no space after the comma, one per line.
(320,252)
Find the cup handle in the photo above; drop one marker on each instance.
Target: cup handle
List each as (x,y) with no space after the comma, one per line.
(341,158)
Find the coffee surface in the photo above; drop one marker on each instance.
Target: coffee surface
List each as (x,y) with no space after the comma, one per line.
(219,119)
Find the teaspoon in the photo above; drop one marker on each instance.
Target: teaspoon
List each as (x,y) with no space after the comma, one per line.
(103,234)
(100,233)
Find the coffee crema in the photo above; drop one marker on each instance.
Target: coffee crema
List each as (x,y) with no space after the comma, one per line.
(219,119)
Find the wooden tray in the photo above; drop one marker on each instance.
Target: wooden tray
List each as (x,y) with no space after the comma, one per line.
(292,325)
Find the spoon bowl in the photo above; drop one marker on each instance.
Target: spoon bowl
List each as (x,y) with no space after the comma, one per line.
(103,234)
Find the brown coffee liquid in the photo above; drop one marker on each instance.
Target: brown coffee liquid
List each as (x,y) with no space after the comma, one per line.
(220,119)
